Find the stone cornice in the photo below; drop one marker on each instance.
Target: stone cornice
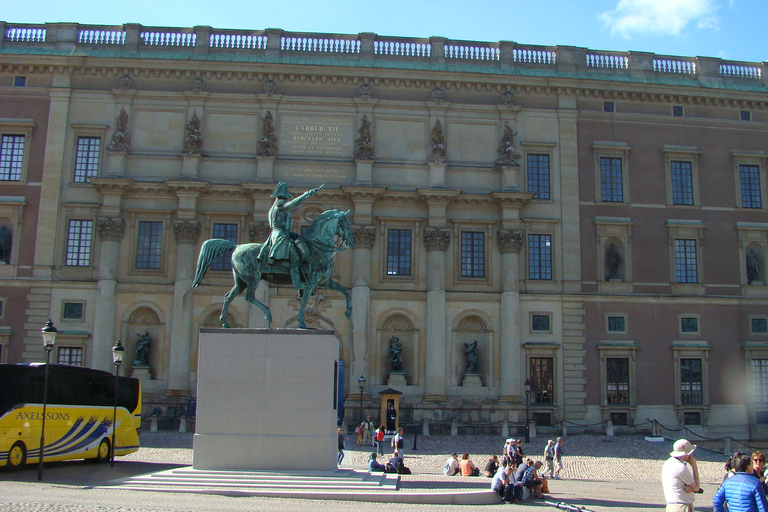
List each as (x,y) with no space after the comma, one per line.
(188,188)
(512,199)
(112,186)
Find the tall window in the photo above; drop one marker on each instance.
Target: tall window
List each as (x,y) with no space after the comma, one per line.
(685,261)
(617,380)
(399,252)
(79,236)
(11,157)
(149,246)
(472,254)
(538,176)
(691,382)
(611,179)
(540,257)
(72,356)
(750,186)
(87,158)
(227,232)
(682,182)
(542,380)
(760,381)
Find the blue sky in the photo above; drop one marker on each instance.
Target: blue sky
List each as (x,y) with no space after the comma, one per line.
(730,29)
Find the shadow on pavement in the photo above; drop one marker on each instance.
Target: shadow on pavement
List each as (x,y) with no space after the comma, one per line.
(85,473)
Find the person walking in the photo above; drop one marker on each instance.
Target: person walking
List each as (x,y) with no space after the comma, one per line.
(398,442)
(743,491)
(558,454)
(680,477)
(342,441)
(549,458)
(380,440)
(368,432)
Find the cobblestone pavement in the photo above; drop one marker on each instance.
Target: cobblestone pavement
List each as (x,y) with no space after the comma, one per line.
(602,474)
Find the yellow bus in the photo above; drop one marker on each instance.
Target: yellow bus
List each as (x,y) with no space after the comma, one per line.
(78,417)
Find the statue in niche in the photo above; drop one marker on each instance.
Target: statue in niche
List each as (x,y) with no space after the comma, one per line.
(268,140)
(396,354)
(753,267)
(142,349)
(612,262)
(364,144)
(473,365)
(193,142)
(5,244)
(507,154)
(437,143)
(121,139)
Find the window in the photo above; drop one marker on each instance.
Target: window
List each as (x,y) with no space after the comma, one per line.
(677,110)
(399,252)
(20,81)
(617,380)
(538,176)
(746,115)
(759,325)
(611,179)
(617,323)
(149,246)
(749,178)
(472,254)
(227,232)
(609,106)
(542,380)
(541,323)
(540,257)
(691,382)
(682,182)
(611,171)
(72,356)
(685,261)
(11,157)
(689,325)
(79,236)
(73,311)
(760,381)
(87,158)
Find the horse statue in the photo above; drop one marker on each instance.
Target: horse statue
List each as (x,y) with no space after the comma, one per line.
(316,249)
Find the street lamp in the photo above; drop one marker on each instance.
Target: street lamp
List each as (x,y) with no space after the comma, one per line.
(117,358)
(49,338)
(527,385)
(361,383)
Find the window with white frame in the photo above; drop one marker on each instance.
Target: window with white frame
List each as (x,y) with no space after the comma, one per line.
(539,256)
(79,238)
(538,175)
(87,156)
(72,356)
(759,369)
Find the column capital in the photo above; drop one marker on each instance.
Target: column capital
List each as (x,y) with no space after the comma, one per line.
(364,235)
(437,239)
(186,231)
(111,229)
(510,240)
(258,231)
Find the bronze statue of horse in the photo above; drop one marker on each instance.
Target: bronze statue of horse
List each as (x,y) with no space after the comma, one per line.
(316,248)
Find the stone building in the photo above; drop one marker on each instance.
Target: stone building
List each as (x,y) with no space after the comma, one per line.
(594,221)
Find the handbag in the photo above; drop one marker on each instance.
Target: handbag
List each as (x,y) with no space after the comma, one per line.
(544,486)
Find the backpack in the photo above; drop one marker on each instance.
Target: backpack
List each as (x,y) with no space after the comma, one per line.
(446,468)
(400,443)
(389,468)
(402,470)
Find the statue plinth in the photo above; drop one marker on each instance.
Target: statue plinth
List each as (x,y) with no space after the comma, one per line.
(472,380)
(397,380)
(142,373)
(757,283)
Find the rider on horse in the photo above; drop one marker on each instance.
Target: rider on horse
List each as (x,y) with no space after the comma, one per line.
(280,245)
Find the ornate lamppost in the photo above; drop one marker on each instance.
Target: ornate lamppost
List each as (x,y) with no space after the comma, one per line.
(49,338)
(117,358)
(527,385)
(361,383)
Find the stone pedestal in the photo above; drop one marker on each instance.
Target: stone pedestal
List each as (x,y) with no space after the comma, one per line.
(397,380)
(264,396)
(472,380)
(142,373)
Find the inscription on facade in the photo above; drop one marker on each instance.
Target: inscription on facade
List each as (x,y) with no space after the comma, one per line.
(324,136)
(315,173)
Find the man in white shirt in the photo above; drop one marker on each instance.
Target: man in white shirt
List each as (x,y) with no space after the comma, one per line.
(451,467)
(680,477)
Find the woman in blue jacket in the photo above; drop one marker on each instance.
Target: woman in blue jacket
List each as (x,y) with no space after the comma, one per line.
(743,491)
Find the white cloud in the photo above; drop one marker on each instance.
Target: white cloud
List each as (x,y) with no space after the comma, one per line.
(660,16)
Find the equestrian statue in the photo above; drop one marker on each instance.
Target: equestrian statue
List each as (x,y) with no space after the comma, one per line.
(306,262)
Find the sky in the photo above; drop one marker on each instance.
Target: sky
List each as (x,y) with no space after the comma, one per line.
(729,29)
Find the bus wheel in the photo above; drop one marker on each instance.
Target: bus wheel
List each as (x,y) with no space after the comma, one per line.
(103,454)
(17,457)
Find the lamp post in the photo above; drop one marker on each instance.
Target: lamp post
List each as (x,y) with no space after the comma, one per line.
(361,383)
(527,385)
(117,358)
(49,338)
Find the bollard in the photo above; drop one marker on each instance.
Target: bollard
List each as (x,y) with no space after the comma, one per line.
(454,428)
(344,426)
(728,446)
(415,448)
(609,428)
(425,427)
(532,430)
(183,425)
(563,432)
(153,424)
(505,429)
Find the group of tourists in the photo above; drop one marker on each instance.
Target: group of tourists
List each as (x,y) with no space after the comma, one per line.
(743,488)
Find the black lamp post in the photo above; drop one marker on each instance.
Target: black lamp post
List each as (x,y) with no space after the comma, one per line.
(527,385)
(117,358)
(49,338)
(361,383)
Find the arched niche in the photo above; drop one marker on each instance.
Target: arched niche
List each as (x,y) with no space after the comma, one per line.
(140,320)
(470,327)
(401,326)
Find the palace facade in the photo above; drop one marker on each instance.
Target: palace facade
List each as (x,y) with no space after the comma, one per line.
(595,221)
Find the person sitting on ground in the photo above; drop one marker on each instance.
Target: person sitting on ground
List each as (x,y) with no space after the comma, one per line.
(503,485)
(743,491)
(396,458)
(532,480)
(468,467)
(492,467)
(451,467)
(521,469)
(549,458)
(373,464)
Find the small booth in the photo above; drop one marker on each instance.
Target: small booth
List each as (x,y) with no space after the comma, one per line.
(390,409)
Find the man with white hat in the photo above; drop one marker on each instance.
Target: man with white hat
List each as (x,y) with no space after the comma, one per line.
(679,480)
